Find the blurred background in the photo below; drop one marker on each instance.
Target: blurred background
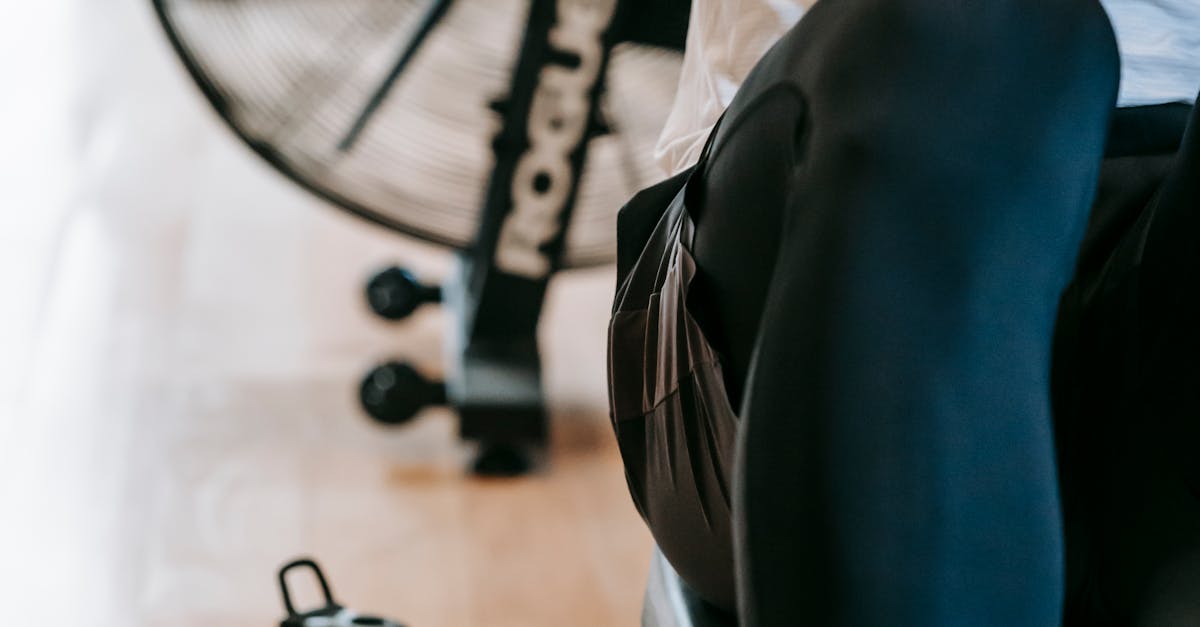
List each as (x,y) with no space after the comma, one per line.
(182,337)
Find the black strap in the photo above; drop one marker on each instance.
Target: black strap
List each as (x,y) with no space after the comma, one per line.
(708,143)
(687,225)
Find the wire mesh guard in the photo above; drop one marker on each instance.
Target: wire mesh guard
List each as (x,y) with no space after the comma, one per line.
(293,76)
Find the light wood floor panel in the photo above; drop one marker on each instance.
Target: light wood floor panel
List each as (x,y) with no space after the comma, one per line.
(181,336)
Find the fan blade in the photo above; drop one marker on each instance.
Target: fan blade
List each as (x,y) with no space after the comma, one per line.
(435,14)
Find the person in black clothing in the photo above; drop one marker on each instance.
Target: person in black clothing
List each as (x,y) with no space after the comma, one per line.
(917,227)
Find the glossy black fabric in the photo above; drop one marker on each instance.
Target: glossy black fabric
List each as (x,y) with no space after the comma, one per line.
(671,413)
(895,203)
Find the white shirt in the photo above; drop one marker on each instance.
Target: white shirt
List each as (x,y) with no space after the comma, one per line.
(1159,42)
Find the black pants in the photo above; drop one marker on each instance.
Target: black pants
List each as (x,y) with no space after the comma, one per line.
(1126,383)
(896,200)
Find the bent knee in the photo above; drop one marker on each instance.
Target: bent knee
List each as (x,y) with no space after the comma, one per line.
(1004,41)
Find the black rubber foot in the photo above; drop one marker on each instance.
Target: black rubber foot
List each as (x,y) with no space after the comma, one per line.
(501,460)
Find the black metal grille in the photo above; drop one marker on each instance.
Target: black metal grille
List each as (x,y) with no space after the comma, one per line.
(292,76)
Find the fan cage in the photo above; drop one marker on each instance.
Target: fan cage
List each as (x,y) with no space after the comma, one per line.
(289,76)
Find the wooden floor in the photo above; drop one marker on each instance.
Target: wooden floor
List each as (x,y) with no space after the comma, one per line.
(181,335)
